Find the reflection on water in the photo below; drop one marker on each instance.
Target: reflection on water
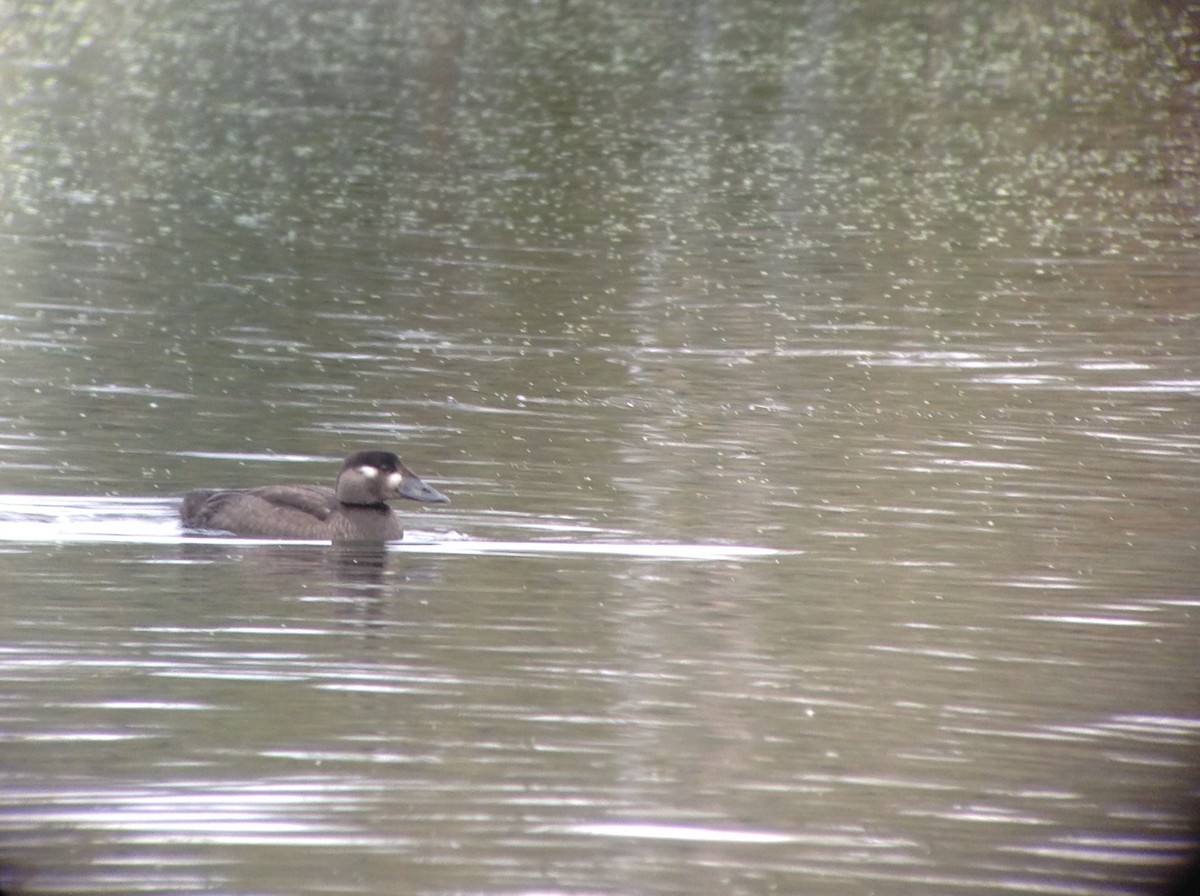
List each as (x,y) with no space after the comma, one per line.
(34,519)
(211,710)
(816,384)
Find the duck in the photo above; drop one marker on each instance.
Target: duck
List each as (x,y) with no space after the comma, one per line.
(355,509)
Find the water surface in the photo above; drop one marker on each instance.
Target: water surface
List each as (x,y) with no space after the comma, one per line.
(815,386)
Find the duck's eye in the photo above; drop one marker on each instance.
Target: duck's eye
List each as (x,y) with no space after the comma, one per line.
(394,480)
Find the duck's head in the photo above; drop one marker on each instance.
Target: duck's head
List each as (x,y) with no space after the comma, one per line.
(372,477)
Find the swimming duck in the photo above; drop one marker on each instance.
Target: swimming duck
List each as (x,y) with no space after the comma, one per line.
(354,510)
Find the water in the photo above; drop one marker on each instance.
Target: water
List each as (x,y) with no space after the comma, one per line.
(815,387)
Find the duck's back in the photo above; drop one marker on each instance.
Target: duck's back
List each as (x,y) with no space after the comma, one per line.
(272,511)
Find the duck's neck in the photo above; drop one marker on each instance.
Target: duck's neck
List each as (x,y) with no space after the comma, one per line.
(379,507)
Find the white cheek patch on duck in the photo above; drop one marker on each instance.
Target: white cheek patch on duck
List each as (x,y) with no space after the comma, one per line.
(368,471)
(394,480)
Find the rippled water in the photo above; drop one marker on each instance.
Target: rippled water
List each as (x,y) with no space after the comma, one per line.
(815,387)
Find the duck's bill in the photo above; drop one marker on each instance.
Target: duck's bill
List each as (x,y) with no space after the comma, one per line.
(412,487)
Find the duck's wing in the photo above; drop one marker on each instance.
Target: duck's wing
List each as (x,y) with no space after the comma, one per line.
(314,500)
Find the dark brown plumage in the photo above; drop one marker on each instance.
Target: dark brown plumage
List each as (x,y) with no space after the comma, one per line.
(354,510)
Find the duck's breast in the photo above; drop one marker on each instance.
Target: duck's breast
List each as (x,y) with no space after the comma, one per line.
(374,522)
